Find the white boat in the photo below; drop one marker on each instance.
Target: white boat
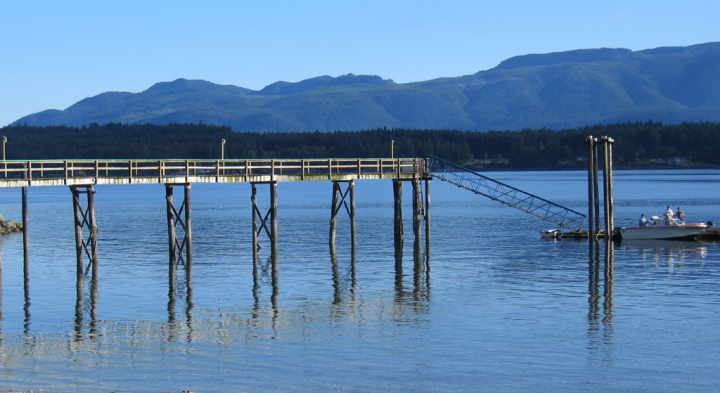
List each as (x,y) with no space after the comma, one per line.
(551,234)
(657,230)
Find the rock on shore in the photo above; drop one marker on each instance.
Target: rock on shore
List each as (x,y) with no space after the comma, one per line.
(10,226)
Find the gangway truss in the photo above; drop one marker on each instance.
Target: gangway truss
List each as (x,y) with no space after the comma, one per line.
(505,194)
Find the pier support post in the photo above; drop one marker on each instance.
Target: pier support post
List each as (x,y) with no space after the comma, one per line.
(352,218)
(85,218)
(180,251)
(398,232)
(333,215)
(188,227)
(26,238)
(339,199)
(274,221)
(171,226)
(591,182)
(427,223)
(608,186)
(417,217)
(596,182)
(255,245)
(270,230)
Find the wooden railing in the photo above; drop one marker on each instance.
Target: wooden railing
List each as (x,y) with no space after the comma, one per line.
(57,172)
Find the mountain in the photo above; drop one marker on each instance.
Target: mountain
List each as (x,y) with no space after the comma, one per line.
(555,90)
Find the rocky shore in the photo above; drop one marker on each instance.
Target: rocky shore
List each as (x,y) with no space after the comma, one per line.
(10,226)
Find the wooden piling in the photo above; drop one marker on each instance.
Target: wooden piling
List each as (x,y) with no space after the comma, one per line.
(26,238)
(93,230)
(606,187)
(171,227)
(274,219)
(79,295)
(77,209)
(610,199)
(253,198)
(417,216)
(188,226)
(596,179)
(398,233)
(333,215)
(427,223)
(352,218)
(591,182)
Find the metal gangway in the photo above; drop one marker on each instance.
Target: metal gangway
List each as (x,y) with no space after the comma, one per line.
(503,193)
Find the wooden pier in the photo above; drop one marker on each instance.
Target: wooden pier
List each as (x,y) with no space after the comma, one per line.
(81,176)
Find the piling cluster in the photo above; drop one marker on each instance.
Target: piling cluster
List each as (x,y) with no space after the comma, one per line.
(603,144)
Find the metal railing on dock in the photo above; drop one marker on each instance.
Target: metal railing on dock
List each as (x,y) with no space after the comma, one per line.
(17,173)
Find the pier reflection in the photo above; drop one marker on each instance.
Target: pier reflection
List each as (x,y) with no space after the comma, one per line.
(343,283)
(600,329)
(419,296)
(86,304)
(26,293)
(266,271)
(178,288)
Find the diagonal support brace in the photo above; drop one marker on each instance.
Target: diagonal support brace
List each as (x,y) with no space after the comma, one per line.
(180,250)
(85,219)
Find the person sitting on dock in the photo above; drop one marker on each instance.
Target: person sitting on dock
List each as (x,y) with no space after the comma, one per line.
(668,216)
(643,221)
(680,215)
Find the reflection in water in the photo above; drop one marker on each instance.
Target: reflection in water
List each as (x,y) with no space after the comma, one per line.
(342,284)
(173,289)
(419,298)
(268,271)
(608,304)
(86,305)
(672,252)
(26,291)
(600,340)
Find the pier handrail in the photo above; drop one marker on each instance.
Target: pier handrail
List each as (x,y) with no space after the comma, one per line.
(505,194)
(21,173)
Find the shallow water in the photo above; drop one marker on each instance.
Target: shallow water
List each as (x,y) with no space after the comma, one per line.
(499,308)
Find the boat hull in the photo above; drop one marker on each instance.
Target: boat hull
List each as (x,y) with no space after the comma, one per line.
(687,231)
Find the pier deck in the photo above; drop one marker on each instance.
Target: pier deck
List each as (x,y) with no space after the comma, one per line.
(94,172)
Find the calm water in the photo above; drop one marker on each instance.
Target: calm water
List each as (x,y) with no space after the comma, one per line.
(500,308)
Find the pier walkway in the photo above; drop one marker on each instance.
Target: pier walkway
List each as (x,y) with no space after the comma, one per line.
(92,172)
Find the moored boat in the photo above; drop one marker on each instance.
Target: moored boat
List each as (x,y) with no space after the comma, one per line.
(682,231)
(551,234)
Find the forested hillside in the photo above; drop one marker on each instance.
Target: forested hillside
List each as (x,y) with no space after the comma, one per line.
(637,144)
(555,90)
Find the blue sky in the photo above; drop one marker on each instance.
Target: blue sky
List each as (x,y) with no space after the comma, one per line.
(53,53)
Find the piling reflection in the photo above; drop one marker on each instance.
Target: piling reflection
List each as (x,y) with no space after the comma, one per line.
(86,304)
(609,276)
(594,286)
(600,330)
(26,293)
(175,288)
(266,271)
(343,283)
(418,298)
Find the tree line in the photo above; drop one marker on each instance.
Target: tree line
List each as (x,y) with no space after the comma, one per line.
(637,144)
